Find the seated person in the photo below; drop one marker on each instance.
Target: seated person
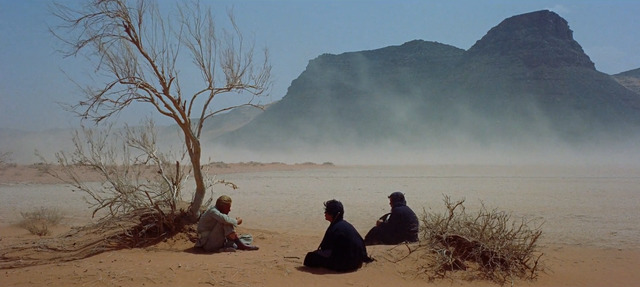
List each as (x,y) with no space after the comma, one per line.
(401,225)
(216,229)
(342,249)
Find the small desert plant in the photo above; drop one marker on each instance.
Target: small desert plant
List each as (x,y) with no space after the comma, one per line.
(4,158)
(488,243)
(38,222)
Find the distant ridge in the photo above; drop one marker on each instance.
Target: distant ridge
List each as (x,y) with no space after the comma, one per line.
(631,73)
(629,79)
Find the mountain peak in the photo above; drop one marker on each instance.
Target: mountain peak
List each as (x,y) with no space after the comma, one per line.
(540,38)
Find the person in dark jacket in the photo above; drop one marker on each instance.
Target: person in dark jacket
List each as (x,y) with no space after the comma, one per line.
(401,225)
(342,248)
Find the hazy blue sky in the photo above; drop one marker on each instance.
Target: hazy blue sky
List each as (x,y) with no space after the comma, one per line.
(295,31)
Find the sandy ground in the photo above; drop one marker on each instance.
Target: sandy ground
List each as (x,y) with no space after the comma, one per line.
(591,225)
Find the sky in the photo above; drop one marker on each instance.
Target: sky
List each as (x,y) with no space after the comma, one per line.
(35,77)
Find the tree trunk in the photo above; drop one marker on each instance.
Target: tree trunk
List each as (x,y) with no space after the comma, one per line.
(198,197)
(195,152)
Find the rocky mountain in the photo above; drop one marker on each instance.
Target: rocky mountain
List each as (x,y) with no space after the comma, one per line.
(354,96)
(526,79)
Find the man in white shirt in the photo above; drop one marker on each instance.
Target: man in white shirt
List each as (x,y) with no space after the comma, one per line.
(216,229)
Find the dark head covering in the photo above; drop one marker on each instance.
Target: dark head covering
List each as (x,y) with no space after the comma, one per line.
(334,208)
(397,198)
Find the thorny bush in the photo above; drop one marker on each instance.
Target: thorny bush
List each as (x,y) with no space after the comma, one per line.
(488,243)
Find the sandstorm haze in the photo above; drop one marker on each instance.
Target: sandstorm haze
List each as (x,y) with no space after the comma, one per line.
(373,92)
(525,92)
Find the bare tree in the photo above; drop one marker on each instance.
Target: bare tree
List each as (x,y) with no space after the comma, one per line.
(137,51)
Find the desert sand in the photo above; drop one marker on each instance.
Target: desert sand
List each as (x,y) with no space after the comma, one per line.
(591,225)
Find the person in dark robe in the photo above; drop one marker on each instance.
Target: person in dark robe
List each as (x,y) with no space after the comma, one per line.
(342,248)
(401,225)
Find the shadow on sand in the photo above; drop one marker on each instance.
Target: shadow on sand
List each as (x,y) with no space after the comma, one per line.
(317,271)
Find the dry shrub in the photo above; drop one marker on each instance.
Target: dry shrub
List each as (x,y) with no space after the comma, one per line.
(487,244)
(38,222)
(5,160)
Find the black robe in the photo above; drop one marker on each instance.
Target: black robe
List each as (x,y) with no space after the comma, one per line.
(402,226)
(342,249)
